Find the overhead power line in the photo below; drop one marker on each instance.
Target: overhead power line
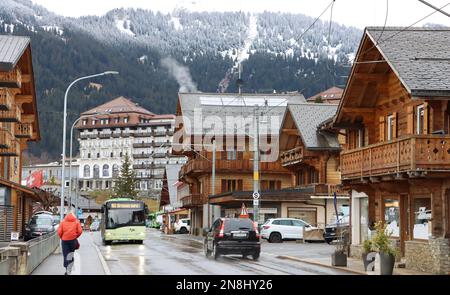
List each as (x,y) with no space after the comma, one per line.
(314,22)
(435,8)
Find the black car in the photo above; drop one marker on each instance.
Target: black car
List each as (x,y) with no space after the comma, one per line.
(39,225)
(333,231)
(233,236)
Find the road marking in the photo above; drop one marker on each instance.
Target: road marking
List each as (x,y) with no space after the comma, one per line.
(102,260)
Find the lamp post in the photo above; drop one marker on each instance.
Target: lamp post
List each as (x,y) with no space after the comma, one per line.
(64,132)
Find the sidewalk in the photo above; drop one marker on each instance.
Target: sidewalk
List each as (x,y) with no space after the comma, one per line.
(353,265)
(88,260)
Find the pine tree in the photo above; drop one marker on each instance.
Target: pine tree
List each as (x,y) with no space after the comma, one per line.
(126,182)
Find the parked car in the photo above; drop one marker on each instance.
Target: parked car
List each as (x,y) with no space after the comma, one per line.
(232,236)
(331,233)
(39,225)
(183,226)
(278,229)
(56,221)
(95,225)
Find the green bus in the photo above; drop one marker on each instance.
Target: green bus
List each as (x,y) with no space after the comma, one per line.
(123,219)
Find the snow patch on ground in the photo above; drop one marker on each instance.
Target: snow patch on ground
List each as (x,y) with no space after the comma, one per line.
(124,27)
(53,28)
(251,36)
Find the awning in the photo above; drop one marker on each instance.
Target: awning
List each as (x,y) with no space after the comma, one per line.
(25,190)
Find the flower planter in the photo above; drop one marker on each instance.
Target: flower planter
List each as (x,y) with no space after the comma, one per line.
(368,261)
(339,259)
(387,262)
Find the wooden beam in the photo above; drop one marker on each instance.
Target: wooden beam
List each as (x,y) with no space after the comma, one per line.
(371,77)
(26,78)
(23,98)
(357,110)
(290,131)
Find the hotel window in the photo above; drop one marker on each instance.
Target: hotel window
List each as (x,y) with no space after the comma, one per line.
(85,122)
(125,120)
(231,185)
(231,155)
(422,218)
(96,171)
(116,120)
(94,122)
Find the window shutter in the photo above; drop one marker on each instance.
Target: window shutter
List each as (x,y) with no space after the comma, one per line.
(394,125)
(426,128)
(410,120)
(382,128)
(224,186)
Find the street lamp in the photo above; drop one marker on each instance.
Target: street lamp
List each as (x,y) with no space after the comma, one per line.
(70,154)
(64,132)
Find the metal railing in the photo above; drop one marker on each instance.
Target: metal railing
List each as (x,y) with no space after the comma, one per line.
(6,222)
(39,249)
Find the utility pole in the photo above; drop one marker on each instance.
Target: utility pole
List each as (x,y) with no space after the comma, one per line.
(256,167)
(213,183)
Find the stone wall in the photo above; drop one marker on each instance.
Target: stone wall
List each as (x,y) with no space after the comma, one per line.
(428,256)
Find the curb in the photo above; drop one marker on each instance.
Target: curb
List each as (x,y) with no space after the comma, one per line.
(105,267)
(321,264)
(187,240)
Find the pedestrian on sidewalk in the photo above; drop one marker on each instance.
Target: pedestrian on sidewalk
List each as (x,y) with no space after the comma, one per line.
(69,230)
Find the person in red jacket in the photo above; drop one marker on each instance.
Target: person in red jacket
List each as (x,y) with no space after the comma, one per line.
(69,230)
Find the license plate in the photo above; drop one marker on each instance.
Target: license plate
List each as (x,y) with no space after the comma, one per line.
(240,235)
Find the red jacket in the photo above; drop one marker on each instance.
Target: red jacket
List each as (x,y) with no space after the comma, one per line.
(69,228)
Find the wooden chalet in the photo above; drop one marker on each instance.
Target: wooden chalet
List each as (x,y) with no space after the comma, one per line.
(396,159)
(18,125)
(234,164)
(311,152)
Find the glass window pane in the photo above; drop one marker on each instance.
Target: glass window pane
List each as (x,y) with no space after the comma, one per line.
(422,217)
(392,216)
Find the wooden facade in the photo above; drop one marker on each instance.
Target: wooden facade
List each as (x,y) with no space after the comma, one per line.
(396,158)
(18,125)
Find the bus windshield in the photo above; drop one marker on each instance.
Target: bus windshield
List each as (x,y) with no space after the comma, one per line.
(125,217)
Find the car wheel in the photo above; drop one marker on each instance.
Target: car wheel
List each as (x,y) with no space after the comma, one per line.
(206,250)
(275,238)
(183,230)
(215,252)
(255,255)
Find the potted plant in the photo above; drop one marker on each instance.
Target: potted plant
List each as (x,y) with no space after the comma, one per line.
(368,255)
(339,257)
(381,241)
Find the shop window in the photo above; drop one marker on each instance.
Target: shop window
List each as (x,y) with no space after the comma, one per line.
(422,218)
(392,217)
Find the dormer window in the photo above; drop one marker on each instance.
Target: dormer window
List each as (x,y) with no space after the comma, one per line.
(84,122)
(116,120)
(125,120)
(94,122)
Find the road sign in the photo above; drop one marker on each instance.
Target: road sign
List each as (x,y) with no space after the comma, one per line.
(255,195)
(14,236)
(255,202)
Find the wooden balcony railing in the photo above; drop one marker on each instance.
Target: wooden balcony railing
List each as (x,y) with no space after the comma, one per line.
(11,79)
(24,130)
(292,157)
(5,138)
(13,149)
(204,166)
(324,189)
(6,99)
(193,200)
(12,115)
(406,154)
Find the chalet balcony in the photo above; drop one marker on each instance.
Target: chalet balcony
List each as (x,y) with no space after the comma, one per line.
(11,79)
(12,148)
(410,154)
(193,200)
(12,115)
(6,99)
(323,189)
(5,138)
(291,157)
(142,145)
(157,144)
(83,136)
(23,130)
(199,166)
(116,135)
(141,156)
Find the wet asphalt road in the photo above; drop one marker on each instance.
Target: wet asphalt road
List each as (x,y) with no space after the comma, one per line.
(160,255)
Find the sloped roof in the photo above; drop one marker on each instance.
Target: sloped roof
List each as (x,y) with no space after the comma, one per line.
(308,117)
(223,106)
(333,93)
(419,56)
(119,105)
(11,49)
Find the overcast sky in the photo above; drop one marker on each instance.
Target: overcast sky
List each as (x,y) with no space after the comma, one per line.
(358,13)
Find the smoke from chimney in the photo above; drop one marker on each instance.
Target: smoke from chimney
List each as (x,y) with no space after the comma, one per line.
(180,73)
